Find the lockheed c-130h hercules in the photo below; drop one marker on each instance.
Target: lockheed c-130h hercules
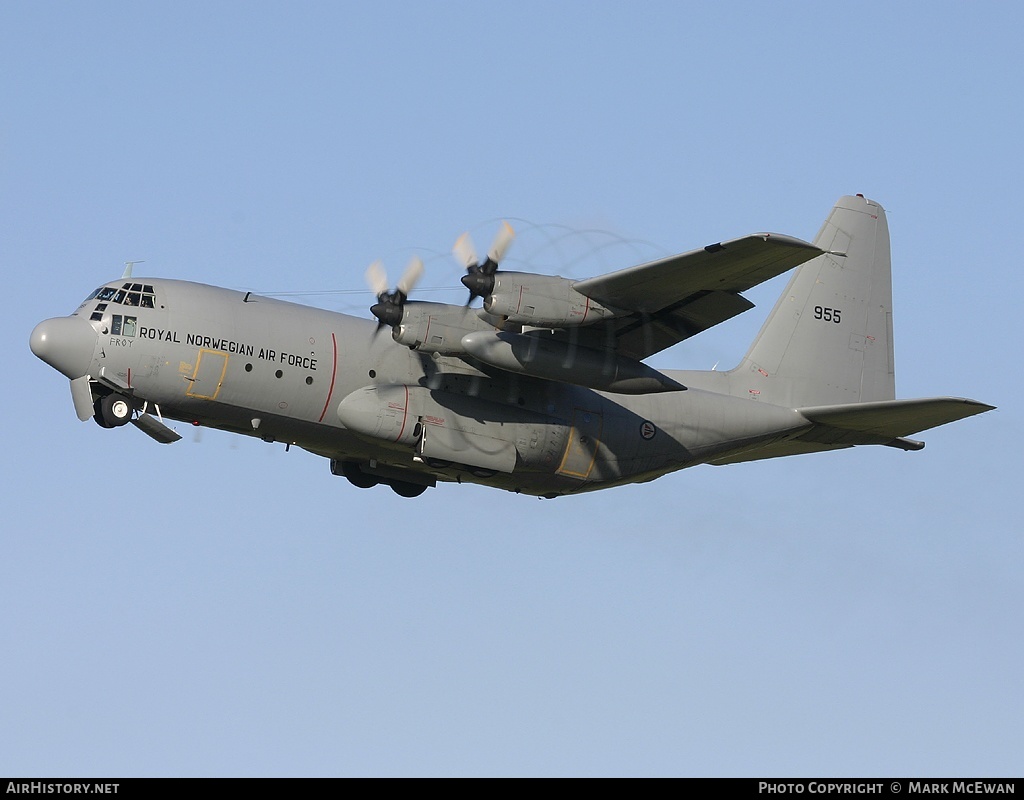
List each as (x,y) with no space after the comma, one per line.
(542,391)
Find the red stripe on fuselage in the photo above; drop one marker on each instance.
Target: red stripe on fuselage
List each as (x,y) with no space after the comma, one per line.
(334,373)
(405,414)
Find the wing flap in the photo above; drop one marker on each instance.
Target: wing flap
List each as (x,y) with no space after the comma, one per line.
(640,335)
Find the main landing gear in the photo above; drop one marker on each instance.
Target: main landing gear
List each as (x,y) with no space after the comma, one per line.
(353,472)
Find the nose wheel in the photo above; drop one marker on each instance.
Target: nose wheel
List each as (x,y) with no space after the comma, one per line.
(112,411)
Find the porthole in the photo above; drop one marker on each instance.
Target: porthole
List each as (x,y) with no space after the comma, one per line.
(278,374)
(373,373)
(248,367)
(309,380)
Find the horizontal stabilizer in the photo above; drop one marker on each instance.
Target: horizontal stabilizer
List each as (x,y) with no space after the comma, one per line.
(886,422)
(893,419)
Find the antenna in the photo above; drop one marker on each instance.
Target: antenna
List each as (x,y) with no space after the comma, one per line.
(128,267)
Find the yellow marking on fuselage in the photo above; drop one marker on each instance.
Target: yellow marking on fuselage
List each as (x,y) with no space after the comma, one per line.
(195,383)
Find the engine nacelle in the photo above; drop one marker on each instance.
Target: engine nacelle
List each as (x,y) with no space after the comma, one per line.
(438,327)
(544,301)
(383,412)
(447,427)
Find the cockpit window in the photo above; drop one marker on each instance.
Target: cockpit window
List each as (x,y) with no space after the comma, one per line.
(122,326)
(130,294)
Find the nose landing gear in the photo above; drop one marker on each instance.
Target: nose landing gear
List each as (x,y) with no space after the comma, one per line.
(112,410)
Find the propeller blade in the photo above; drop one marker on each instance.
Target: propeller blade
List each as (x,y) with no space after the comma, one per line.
(412,276)
(465,252)
(501,243)
(377,278)
(390,305)
(479,278)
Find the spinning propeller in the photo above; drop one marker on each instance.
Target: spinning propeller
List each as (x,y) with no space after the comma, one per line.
(479,278)
(389,306)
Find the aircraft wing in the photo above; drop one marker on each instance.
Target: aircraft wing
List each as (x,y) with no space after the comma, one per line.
(676,297)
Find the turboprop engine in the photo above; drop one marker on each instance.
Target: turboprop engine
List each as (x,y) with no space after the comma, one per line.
(438,327)
(543,301)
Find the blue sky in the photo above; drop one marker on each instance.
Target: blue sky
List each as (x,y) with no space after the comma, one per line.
(221,607)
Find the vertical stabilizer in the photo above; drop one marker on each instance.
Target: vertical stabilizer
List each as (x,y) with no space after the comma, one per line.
(828,340)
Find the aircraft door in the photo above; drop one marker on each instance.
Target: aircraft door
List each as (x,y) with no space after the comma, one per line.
(584,441)
(208,375)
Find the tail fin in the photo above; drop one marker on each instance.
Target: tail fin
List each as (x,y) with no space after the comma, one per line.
(828,341)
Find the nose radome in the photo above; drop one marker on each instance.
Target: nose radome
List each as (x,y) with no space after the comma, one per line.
(66,344)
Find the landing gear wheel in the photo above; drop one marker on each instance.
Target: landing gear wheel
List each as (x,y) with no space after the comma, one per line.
(438,463)
(408,489)
(113,411)
(355,476)
(97,409)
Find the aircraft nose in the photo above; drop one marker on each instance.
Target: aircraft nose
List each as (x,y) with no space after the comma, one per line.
(66,344)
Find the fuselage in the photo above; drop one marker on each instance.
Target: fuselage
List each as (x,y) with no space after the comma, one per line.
(294,374)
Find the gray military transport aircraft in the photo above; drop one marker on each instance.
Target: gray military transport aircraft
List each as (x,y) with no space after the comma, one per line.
(543,391)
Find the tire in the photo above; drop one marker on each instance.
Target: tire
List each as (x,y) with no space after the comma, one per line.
(114,411)
(404,489)
(355,476)
(438,463)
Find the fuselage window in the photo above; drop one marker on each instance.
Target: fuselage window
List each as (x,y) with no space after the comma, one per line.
(147,301)
(96,315)
(115,325)
(129,326)
(106,293)
(119,297)
(132,299)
